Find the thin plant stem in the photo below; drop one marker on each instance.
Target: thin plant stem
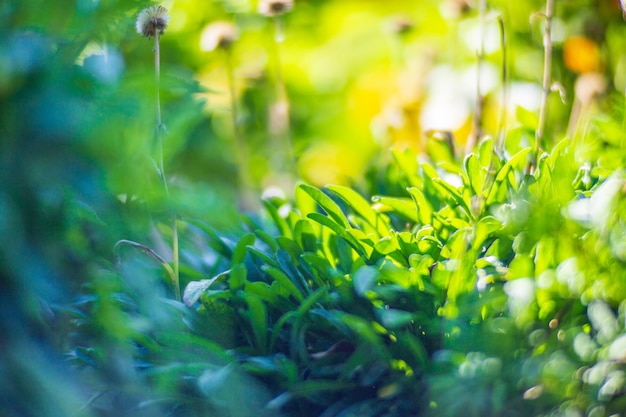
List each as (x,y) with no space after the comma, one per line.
(159,123)
(282,100)
(480,98)
(175,254)
(240,148)
(504,89)
(547,77)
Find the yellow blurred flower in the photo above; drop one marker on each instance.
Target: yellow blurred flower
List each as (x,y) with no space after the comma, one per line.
(581,55)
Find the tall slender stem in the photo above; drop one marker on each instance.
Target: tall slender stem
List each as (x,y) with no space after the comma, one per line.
(480,99)
(547,77)
(240,148)
(159,123)
(175,258)
(159,126)
(504,89)
(282,100)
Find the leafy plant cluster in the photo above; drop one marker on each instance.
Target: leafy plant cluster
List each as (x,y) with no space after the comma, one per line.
(488,284)
(484,290)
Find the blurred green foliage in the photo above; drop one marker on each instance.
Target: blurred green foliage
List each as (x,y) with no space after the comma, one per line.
(434,278)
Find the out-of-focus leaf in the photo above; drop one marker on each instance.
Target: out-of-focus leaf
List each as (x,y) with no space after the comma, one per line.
(279,221)
(393,318)
(364,279)
(528,119)
(215,241)
(257,317)
(194,289)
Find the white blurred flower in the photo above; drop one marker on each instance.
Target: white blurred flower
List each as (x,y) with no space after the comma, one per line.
(218,35)
(275,7)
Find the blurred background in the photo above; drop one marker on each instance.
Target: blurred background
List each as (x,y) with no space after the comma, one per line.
(322,93)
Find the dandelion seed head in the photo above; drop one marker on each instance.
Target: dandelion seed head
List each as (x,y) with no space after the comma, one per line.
(275,7)
(218,35)
(152,20)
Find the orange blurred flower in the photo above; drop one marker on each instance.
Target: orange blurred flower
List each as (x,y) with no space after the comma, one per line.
(581,55)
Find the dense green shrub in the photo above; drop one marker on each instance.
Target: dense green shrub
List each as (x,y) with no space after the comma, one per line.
(443,284)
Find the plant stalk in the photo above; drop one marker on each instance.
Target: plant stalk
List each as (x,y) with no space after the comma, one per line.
(281,105)
(480,98)
(175,254)
(500,144)
(159,123)
(547,77)
(241,150)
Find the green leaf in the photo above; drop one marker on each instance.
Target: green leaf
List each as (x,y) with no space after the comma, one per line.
(485,153)
(500,187)
(363,329)
(269,294)
(412,349)
(401,206)
(290,247)
(257,317)
(279,221)
(522,266)
(311,300)
(264,258)
(328,205)
(407,164)
(238,274)
(284,281)
(424,209)
(362,207)
(393,318)
(485,228)
(267,239)
(304,234)
(327,274)
(527,118)
(344,254)
(241,249)
(364,280)
(339,231)
(456,196)
(314,387)
(387,245)
(475,173)
(215,241)
(194,289)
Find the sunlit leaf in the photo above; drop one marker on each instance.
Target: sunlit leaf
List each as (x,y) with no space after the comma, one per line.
(328,205)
